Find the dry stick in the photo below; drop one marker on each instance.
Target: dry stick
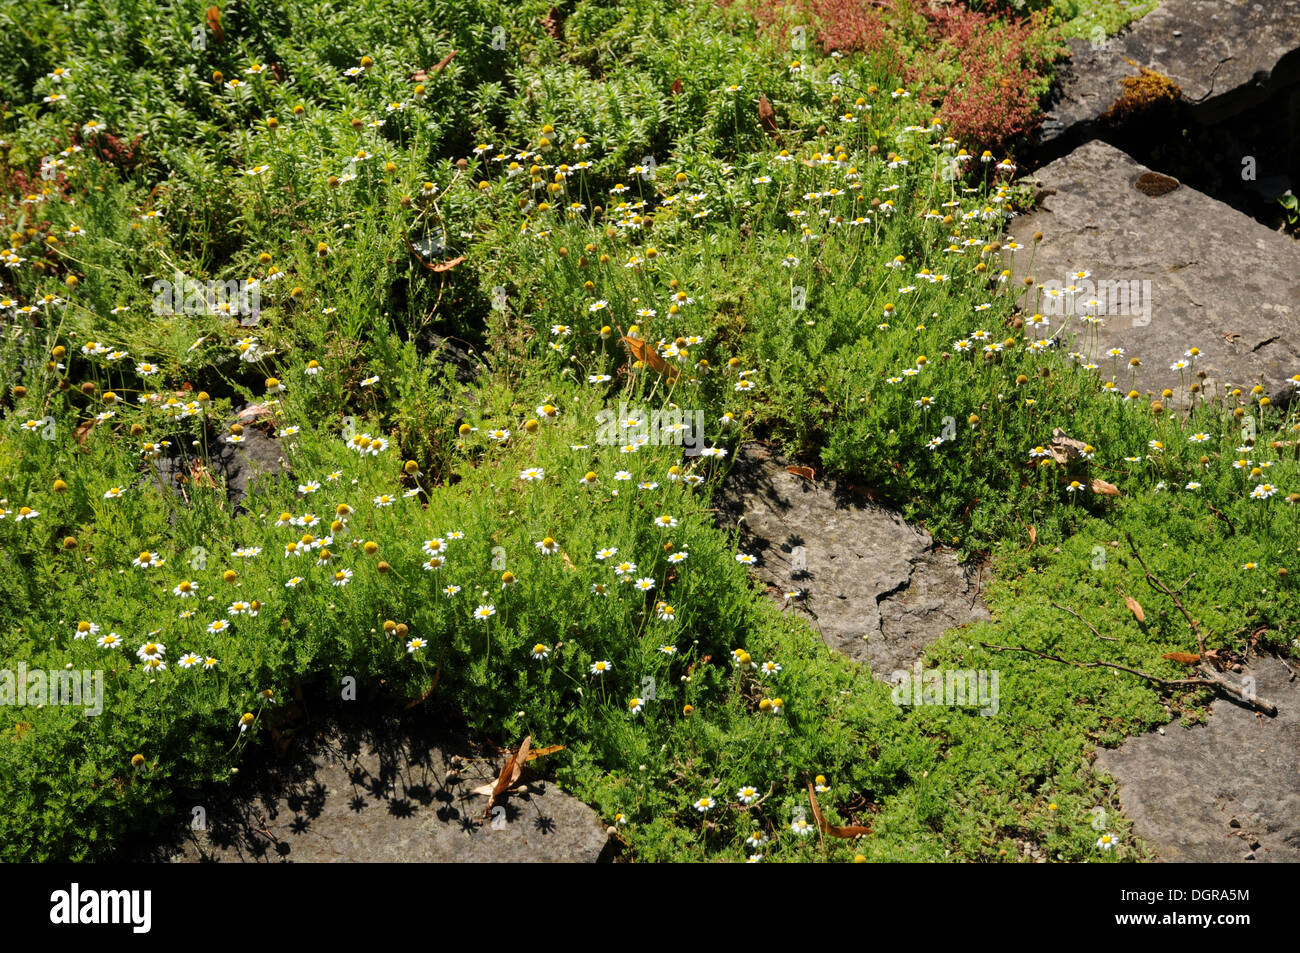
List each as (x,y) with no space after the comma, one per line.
(1210,674)
(1213,681)
(1085,622)
(1157,584)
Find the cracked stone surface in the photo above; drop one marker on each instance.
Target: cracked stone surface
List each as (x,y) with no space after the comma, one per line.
(876,588)
(1219,280)
(1225,791)
(1223,54)
(388,793)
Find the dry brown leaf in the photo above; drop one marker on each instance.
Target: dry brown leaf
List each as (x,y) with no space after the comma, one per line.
(439,266)
(1186,658)
(441,65)
(690,669)
(253,414)
(84,428)
(767,116)
(552,24)
(1103,488)
(446,265)
(862,489)
(542,752)
(677,86)
(1033,534)
(510,773)
(437,673)
(214,23)
(1135,607)
(830,829)
(805,472)
(565,561)
(644,353)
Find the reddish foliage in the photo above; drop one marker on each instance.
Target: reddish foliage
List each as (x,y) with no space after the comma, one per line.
(854,26)
(992,101)
(980,69)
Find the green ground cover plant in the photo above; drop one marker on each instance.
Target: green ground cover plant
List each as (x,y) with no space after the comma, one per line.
(601,212)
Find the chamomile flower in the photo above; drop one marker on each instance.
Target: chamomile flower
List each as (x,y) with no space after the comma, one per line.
(532,474)
(84,629)
(547,546)
(666,521)
(151,650)
(704,805)
(189,660)
(645,583)
(770,668)
(110,641)
(185,589)
(1105,842)
(147,560)
(483,613)
(636,705)
(601,667)
(745,559)
(801,827)
(747,794)
(341,578)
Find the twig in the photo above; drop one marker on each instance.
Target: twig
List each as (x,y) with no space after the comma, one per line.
(1157,584)
(979,578)
(1106,638)
(1213,679)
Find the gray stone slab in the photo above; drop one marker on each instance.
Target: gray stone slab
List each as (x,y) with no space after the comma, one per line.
(1225,791)
(1223,54)
(1218,280)
(877,588)
(386,796)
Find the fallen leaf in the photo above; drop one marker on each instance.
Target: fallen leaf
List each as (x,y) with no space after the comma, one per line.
(1135,607)
(441,65)
(677,86)
(551,23)
(446,265)
(863,490)
(1186,658)
(1104,488)
(84,428)
(437,673)
(805,472)
(510,773)
(565,561)
(252,414)
(690,669)
(767,116)
(540,752)
(644,353)
(830,829)
(214,23)
(1033,534)
(440,266)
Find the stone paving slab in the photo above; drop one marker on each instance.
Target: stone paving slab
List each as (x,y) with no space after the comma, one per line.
(877,588)
(390,795)
(1225,791)
(1217,279)
(1222,54)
